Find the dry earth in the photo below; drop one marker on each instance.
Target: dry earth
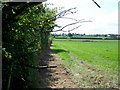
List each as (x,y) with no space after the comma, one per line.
(58,77)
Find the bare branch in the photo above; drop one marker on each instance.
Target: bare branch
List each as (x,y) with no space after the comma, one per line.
(80,21)
(57,26)
(70,29)
(61,15)
(74,28)
(66,12)
(96,4)
(40,67)
(69,18)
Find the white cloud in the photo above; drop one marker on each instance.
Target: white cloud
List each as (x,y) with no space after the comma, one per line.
(106,23)
(105,19)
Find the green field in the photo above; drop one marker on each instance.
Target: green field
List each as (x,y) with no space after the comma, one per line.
(92,63)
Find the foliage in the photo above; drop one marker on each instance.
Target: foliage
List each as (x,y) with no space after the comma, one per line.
(25,34)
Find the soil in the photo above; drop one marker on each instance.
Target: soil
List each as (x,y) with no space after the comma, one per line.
(57,77)
(60,77)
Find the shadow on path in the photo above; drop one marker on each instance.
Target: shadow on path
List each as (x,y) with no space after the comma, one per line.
(54,77)
(55,51)
(45,75)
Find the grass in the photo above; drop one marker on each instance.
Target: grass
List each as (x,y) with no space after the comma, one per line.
(90,60)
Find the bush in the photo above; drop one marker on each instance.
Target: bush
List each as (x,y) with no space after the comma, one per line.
(26,30)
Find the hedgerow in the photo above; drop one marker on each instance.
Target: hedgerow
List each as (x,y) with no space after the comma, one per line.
(25,34)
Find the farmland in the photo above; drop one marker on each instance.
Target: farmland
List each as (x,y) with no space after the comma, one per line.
(91,63)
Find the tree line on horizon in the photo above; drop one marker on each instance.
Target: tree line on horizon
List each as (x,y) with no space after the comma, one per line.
(78,35)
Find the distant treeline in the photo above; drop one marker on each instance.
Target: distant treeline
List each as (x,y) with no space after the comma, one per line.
(84,36)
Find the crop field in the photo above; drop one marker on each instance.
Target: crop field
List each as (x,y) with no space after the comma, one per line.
(91,63)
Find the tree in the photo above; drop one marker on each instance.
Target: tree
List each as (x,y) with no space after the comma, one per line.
(24,34)
(70,35)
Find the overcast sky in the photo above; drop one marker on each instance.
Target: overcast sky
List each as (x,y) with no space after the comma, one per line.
(104,19)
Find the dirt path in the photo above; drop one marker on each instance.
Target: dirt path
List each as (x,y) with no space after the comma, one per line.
(57,77)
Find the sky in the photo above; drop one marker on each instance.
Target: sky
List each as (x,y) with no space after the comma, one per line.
(104,19)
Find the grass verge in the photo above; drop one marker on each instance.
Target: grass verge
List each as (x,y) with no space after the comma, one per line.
(93,64)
